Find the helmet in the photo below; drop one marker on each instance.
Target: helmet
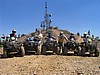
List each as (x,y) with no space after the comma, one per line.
(61,33)
(71,33)
(85,33)
(13,31)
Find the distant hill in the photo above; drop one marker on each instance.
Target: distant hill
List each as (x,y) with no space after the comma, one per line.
(55,33)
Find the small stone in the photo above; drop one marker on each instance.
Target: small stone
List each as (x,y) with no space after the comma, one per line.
(73,72)
(78,68)
(29,62)
(91,72)
(80,74)
(35,73)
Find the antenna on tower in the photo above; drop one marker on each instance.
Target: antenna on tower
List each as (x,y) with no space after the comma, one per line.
(46,7)
(47,21)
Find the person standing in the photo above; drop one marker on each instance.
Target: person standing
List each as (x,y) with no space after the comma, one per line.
(61,39)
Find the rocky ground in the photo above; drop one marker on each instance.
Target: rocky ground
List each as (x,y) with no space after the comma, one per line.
(50,65)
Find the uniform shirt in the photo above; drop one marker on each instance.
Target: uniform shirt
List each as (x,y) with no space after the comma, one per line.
(85,40)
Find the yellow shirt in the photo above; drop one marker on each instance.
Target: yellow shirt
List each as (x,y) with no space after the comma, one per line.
(61,39)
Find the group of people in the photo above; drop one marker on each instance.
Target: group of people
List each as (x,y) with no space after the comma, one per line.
(87,38)
(60,39)
(10,37)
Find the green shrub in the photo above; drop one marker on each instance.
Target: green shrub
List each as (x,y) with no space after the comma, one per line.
(48,31)
(65,31)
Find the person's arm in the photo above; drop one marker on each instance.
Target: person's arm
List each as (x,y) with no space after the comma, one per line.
(65,38)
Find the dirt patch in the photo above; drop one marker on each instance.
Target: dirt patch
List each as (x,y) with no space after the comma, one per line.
(50,65)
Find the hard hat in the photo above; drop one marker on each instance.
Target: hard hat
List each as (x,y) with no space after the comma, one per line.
(85,33)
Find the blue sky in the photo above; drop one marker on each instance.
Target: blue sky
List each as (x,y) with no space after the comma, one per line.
(73,15)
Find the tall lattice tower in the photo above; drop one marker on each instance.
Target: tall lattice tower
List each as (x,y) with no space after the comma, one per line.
(47,18)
